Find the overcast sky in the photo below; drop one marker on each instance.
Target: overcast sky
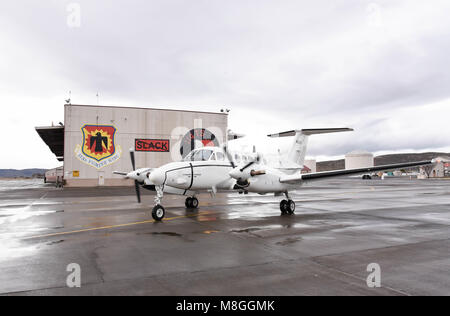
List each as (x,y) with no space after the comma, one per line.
(379,67)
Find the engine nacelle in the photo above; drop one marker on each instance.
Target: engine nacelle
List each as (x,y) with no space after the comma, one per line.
(242,175)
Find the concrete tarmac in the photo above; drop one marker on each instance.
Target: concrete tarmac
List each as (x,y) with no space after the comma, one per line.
(233,244)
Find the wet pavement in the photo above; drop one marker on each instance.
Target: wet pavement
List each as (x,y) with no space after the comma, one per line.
(232,245)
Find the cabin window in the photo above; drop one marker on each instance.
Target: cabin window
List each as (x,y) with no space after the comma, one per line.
(188,157)
(202,155)
(220,156)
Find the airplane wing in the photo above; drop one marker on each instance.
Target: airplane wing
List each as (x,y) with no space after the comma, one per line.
(311,131)
(340,173)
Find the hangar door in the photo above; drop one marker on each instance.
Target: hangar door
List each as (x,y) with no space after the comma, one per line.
(101,178)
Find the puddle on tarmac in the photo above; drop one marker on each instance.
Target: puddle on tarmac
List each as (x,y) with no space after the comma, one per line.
(8,215)
(253,229)
(289,241)
(22,184)
(208,232)
(12,248)
(246,230)
(171,234)
(55,242)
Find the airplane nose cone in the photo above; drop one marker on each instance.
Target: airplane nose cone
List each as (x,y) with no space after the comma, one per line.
(235,173)
(132,175)
(157,177)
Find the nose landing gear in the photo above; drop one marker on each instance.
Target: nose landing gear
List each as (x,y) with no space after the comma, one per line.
(158,211)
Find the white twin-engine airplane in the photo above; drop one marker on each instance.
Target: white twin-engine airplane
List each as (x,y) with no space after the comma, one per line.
(214,169)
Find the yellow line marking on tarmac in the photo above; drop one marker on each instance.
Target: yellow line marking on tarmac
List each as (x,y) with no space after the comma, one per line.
(112,226)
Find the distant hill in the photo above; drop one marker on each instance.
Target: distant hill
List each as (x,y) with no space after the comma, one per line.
(382,160)
(330,165)
(25,173)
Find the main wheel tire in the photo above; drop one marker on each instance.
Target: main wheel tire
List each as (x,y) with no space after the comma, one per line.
(284,207)
(290,207)
(158,213)
(188,202)
(194,202)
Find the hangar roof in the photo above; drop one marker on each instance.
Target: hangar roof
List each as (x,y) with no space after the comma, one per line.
(222,112)
(53,136)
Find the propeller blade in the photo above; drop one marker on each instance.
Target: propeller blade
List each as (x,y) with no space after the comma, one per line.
(138,191)
(230,158)
(247,165)
(120,173)
(133,163)
(257,159)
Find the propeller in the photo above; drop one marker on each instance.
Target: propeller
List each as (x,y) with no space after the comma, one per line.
(133,162)
(257,159)
(230,158)
(247,165)
(238,173)
(136,183)
(121,173)
(242,176)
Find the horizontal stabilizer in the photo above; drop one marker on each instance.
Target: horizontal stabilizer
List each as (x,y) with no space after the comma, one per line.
(311,131)
(232,135)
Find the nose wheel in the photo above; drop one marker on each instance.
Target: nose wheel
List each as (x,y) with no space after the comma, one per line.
(158,213)
(191,202)
(287,207)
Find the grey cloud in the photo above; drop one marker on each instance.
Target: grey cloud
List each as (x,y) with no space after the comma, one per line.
(295,62)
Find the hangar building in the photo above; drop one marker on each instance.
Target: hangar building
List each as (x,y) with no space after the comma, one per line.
(437,170)
(359,159)
(94,141)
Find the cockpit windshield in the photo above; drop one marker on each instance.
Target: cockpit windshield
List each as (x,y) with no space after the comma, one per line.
(199,155)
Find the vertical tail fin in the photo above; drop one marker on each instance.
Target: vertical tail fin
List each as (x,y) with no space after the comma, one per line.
(297,152)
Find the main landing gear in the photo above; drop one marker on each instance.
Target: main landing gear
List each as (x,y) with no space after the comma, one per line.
(287,206)
(191,202)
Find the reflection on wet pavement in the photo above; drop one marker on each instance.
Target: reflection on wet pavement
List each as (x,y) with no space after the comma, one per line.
(116,239)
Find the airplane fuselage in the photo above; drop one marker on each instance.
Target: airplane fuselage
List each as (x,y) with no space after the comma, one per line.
(195,175)
(214,175)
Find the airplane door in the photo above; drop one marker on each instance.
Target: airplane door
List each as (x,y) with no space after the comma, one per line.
(101,178)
